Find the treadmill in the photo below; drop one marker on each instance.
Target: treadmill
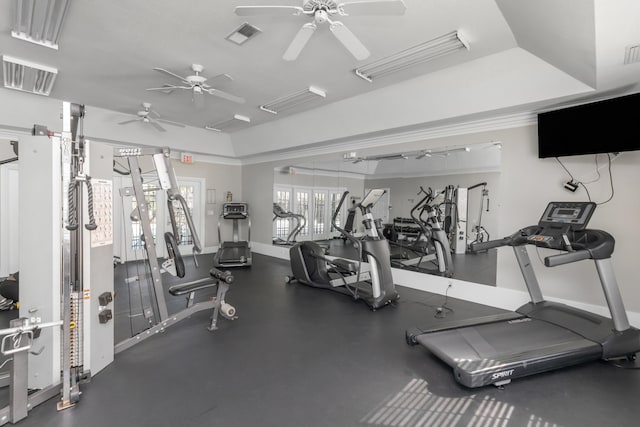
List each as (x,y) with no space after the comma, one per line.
(541,335)
(234,253)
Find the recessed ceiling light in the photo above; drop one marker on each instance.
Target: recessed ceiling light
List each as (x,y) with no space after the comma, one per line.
(39,21)
(232,123)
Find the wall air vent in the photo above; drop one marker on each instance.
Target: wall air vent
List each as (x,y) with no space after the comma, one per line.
(295,99)
(27,76)
(632,54)
(243,33)
(231,124)
(39,21)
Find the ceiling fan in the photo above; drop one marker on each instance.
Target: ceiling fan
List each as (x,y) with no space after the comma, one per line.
(197,84)
(321,11)
(144,117)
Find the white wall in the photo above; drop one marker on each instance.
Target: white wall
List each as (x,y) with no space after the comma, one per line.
(527,185)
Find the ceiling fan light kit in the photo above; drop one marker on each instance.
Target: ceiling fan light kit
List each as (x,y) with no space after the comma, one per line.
(444,45)
(293,100)
(39,21)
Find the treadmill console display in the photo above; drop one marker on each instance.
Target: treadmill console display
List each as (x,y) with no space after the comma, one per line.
(235,210)
(569,215)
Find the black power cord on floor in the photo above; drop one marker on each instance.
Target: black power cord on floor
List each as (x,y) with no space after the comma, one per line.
(440,310)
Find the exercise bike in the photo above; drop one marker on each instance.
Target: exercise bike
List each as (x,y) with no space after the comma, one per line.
(371,282)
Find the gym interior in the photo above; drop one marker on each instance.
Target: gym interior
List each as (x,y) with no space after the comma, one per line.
(312,213)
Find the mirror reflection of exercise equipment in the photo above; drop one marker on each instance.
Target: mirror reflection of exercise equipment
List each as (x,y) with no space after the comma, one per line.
(372,283)
(541,335)
(235,252)
(153,305)
(290,218)
(424,245)
(457,215)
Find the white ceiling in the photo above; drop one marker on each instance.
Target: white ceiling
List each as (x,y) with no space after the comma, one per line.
(525,55)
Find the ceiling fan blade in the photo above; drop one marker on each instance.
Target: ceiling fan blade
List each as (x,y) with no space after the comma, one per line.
(373,7)
(154,113)
(157,126)
(128,121)
(162,70)
(268,10)
(169,122)
(349,41)
(299,41)
(225,95)
(217,78)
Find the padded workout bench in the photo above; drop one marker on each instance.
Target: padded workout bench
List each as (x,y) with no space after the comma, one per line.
(221,279)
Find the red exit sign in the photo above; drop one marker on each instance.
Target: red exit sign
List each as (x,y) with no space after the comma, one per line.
(187,158)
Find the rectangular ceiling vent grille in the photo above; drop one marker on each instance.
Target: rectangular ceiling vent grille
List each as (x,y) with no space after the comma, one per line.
(39,21)
(27,76)
(632,54)
(243,33)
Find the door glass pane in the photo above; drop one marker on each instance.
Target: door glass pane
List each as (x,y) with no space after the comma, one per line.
(302,202)
(283,198)
(136,227)
(184,236)
(335,199)
(319,217)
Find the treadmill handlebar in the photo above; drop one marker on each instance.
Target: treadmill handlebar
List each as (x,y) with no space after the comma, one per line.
(483,246)
(224,276)
(566,258)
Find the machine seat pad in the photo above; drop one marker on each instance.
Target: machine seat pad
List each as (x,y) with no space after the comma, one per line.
(197,285)
(345,265)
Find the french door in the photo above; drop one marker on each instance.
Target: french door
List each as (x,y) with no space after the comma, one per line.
(156,199)
(315,204)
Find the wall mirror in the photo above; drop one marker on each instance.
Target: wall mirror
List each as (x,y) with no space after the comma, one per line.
(306,194)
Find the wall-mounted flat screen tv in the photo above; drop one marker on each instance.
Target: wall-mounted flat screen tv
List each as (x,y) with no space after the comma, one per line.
(608,126)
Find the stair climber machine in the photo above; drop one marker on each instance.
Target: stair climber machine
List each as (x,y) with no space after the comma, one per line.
(431,245)
(234,253)
(371,282)
(541,335)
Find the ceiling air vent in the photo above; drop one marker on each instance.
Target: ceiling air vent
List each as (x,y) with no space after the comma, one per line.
(39,21)
(27,76)
(632,54)
(243,33)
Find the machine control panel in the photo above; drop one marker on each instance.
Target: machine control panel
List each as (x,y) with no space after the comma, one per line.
(571,216)
(236,210)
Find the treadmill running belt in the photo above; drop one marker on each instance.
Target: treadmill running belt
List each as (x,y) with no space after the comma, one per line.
(498,352)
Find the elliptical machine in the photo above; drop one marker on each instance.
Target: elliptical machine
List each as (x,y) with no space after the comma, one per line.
(374,285)
(431,245)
